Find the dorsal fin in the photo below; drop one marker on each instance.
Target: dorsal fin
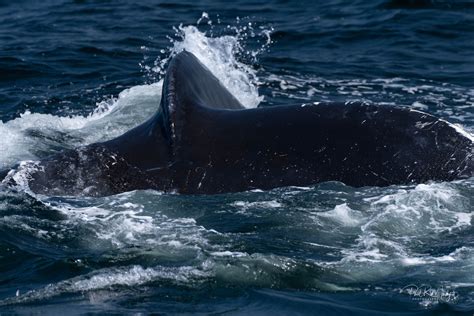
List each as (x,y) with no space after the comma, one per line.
(188,83)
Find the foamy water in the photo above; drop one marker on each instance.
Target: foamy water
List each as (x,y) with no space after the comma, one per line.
(146,245)
(366,237)
(34,135)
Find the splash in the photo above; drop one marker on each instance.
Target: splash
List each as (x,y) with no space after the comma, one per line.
(34,135)
(221,54)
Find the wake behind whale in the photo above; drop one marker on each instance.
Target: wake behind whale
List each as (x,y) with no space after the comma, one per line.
(203,141)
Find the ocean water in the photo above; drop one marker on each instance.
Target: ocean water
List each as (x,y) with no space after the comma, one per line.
(76,72)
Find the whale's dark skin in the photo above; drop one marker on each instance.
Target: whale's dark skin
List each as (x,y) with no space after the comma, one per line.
(203,141)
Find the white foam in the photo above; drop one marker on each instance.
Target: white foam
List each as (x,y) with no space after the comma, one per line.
(394,226)
(110,119)
(420,105)
(227,253)
(106,278)
(33,134)
(343,214)
(412,261)
(245,206)
(219,54)
(258,204)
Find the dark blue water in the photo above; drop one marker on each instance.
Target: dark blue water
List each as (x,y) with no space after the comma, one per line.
(77,72)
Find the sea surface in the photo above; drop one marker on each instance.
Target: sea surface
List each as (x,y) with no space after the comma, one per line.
(77,72)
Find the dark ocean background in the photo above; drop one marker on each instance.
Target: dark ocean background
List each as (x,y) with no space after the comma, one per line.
(76,72)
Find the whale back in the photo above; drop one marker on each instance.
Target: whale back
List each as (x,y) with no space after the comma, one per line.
(219,146)
(202,140)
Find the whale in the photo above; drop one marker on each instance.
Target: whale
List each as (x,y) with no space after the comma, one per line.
(202,140)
